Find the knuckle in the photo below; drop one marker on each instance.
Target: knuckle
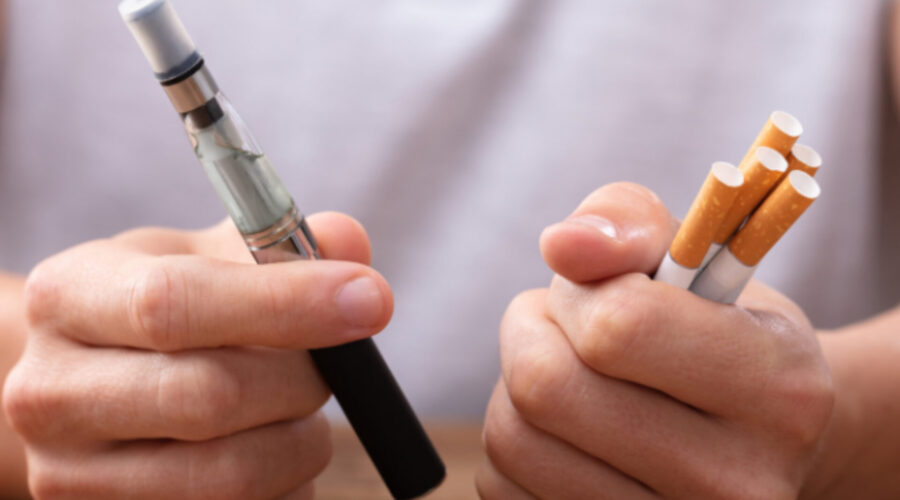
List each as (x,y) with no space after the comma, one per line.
(156,305)
(47,482)
(197,397)
(44,486)
(315,392)
(500,441)
(19,402)
(320,453)
(535,380)
(614,324)
(42,293)
(493,436)
(315,395)
(520,309)
(30,403)
(482,483)
(801,388)
(807,408)
(504,434)
(527,299)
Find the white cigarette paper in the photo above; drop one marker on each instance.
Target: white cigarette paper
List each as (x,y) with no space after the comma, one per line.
(724,278)
(674,273)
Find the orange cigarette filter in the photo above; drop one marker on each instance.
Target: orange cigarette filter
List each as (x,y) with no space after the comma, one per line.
(804,158)
(780,133)
(760,176)
(774,217)
(716,196)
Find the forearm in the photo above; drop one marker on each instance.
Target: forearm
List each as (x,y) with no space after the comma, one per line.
(12,341)
(862,445)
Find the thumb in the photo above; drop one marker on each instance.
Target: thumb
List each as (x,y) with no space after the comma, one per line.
(620,228)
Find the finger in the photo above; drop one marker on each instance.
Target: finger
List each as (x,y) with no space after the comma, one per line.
(619,228)
(339,236)
(546,466)
(492,485)
(305,492)
(638,431)
(105,296)
(712,356)
(190,396)
(261,463)
(155,240)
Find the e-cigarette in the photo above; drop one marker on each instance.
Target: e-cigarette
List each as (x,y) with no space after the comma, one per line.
(275,231)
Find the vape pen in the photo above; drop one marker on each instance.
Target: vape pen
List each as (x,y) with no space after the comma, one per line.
(275,231)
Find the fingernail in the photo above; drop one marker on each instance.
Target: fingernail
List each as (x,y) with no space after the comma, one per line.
(360,302)
(601,224)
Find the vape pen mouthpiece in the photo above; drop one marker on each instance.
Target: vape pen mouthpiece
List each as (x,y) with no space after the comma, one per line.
(161,36)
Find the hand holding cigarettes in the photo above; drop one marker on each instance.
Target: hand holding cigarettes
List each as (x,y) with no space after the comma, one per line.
(171,367)
(616,385)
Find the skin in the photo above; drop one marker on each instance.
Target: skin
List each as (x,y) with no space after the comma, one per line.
(180,370)
(616,386)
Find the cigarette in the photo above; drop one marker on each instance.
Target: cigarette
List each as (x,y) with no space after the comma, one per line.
(685,255)
(780,133)
(804,158)
(763,172)
(727,274)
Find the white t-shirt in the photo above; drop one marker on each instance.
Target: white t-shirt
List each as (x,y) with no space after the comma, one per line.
(455,130)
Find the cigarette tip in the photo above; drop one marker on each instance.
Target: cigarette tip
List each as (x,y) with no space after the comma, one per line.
(787,123)
(804,184)
(771,159)
(728,174)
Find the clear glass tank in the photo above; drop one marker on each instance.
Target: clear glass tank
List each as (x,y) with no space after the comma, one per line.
(240,173)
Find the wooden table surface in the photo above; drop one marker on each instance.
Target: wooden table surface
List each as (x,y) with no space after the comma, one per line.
(351,476)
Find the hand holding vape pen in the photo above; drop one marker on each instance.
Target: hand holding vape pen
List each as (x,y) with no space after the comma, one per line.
(275,231)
